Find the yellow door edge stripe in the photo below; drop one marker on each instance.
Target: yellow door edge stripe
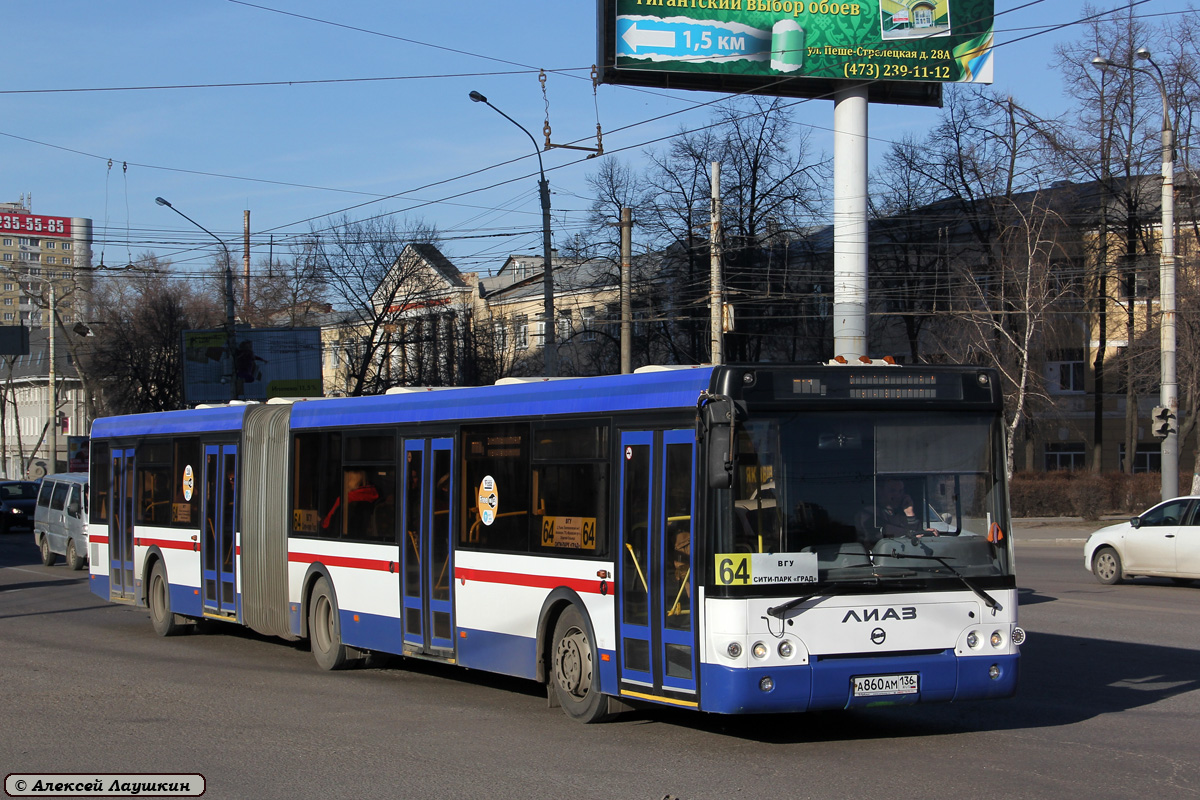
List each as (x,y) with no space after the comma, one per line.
(658,699)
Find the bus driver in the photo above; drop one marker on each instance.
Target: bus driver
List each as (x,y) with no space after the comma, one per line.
(895,515)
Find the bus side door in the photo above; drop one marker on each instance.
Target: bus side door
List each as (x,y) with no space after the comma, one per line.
(120,527)
(219,538)
(426,572)
(657,654)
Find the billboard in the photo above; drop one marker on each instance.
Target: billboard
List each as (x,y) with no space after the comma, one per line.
(35,225)
(903,49)
(262,363)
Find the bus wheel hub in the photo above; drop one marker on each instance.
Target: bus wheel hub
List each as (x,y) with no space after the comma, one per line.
(572,664)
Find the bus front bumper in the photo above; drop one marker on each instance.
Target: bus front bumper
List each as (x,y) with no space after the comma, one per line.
(828,683)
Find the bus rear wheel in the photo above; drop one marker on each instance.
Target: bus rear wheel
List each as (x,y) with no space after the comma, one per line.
(573,677)
(324,629)
(158,598)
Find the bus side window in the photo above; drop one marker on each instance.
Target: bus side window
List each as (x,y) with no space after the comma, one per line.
(98,481)
(570,488)
(497,514)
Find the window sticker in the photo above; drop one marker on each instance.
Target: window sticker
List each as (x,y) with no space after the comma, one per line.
(489,501)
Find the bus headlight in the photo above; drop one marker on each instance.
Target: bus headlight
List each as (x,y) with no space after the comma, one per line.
(1018,636)
(997,639)
(973,640)
(786,650)
(767,684)
(734,650)
(759,650)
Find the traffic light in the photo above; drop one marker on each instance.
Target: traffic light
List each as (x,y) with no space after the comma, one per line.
(1161,421)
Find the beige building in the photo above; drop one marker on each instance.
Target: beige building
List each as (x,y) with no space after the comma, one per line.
(451,328)
(586,303)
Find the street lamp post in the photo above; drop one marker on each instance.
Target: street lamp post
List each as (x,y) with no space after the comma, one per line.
(549,346)
(228,294)
(1169,390)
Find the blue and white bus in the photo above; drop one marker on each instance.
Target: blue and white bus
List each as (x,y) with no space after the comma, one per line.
(731,539)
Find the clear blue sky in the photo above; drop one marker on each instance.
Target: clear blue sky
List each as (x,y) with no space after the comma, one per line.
(291,153)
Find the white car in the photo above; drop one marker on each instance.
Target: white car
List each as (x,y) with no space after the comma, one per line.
(1162,542)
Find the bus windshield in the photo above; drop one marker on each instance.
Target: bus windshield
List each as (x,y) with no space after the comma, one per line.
(882,497)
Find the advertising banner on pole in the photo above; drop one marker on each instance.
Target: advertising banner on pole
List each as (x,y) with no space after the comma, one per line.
(798,48)
(267,362)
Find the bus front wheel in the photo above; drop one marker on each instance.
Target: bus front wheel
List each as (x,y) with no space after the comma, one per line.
(324,628)
(574,677)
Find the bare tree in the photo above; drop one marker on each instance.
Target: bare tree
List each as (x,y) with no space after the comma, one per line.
(908,249)
(288,291)
(391,340)
(770,183)
(1003,310)
(139,319)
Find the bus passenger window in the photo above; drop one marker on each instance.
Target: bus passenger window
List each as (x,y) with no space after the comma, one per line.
(154,496)
(497,514)
(306,454)
(317,484)
(185,512)
(570,489)
(99,483)
(570,501)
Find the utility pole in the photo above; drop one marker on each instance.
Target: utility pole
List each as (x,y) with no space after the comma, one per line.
(246,262)
(715,295)
(626,291)
(51,405)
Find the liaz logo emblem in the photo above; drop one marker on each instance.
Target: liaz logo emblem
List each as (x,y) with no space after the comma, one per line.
(880,614)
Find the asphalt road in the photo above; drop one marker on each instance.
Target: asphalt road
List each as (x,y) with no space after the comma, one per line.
(1109,707)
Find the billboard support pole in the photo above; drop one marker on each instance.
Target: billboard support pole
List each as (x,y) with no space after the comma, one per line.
(850,222)
(716,295)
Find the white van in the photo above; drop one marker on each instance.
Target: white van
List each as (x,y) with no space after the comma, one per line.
(60,519)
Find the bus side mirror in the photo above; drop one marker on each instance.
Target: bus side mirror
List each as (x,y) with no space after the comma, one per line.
(717,417)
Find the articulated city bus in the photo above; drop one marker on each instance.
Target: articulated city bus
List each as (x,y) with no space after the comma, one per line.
(732,539)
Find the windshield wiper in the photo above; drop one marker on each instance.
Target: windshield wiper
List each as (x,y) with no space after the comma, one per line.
(778,611)
(988,600)
(826,589)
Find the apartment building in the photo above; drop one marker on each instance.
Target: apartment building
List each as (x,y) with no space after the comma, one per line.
(45,270)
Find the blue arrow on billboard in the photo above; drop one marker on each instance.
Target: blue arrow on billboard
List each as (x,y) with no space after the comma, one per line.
(681,39)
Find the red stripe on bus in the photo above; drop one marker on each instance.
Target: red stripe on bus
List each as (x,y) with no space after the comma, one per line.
(343,561)
(169,544)
(534,581)
(92,537)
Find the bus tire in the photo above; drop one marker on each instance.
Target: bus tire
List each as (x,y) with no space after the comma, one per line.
(574,674)
(48,558)
(73,559)
(158,599)
(324,628)
(1106,566)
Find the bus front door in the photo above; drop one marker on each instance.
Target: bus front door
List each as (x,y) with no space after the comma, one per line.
(120,528)
(426,572)
(656,642)
(218,543)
